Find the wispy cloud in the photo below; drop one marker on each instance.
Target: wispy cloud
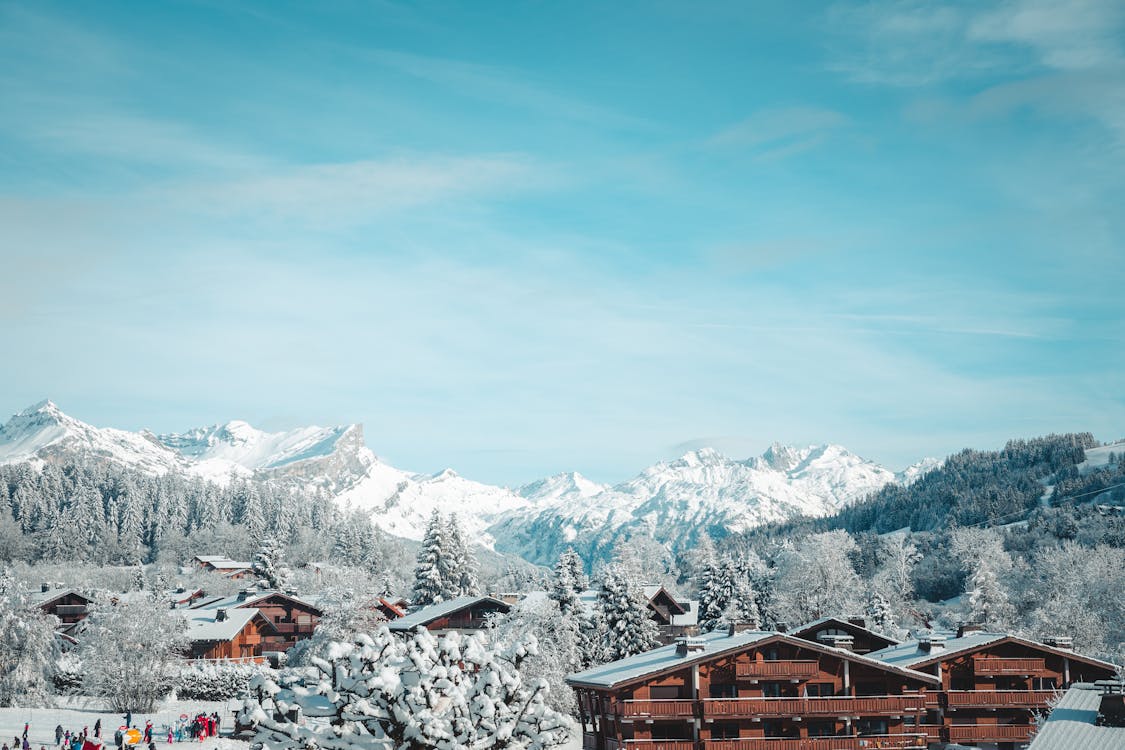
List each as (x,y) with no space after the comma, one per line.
(781,132)
(1065,34)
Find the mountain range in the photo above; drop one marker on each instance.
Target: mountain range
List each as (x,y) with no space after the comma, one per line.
(671,501)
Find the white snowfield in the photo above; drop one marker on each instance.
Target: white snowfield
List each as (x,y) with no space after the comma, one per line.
(76,713)
(672,500)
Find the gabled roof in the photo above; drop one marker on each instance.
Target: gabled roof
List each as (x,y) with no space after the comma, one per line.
(842,624)
(1071,724)
(716,644)
(242,600)
(388,606)
(426,615)
(909,654)
(652,592)
(43,598)
(204,626)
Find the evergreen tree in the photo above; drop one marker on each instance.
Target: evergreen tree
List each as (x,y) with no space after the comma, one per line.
(879,614)
(461,571)
(988,603)
(567,582)
(268,566)
(627,627)
(430,584)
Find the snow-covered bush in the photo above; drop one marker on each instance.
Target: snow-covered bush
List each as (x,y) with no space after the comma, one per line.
(27,646)
(217,681)
(67,675)
(131,651)
(382,692)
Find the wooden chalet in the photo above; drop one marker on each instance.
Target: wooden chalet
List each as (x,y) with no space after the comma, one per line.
(388,609)
(851,633)
(462,613)
(220,564)
(70,606)
(752,691)
(293,619)
(221,634)
(992,683)
(675,617)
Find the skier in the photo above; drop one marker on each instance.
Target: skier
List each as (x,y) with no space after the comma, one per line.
(128,719)
(98,728)
(148,732)
(119,739)
(58,734)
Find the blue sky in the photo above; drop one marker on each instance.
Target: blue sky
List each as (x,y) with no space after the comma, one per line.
(522,238)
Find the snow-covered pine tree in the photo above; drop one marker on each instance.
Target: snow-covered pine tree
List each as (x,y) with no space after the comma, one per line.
(267,564)
(988,602)
(430,585)
(628,628)
(380,692)
(27,647)
(568,580)
(712,603)
(879,614)
(461,570)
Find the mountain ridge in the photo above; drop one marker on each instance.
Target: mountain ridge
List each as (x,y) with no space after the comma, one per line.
(673,501)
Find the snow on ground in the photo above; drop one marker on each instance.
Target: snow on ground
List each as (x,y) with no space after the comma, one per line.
(1098,458)
(76,713)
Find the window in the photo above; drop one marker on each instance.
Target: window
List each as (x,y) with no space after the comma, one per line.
(822,729)
(771,689)
(723,690)
(1045,683)
(724,730)
(872,726)
(771,654)
(664,692)
(820,689)
(961,683)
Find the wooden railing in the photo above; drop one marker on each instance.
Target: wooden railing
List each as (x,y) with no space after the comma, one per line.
(997,698)
(891,741)
(756,670)
(990,732)
(659,745)
(637,709)
(932,731)
(995,665)
(831,706)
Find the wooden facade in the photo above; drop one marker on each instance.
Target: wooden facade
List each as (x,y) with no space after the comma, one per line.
(245,644)
(775,692)
(829,629)
(990,692)
(292,619)
(69,606)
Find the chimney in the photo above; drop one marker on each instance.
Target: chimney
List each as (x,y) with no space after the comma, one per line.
(220,615)
(859,622)
(1111,710)
(931,643)
(686,646)
(968,627)
(244,594)
(1061,642)
(781,626)
(44,587)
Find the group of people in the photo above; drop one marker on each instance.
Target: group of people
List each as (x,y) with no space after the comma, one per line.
(200,728)
(65,739)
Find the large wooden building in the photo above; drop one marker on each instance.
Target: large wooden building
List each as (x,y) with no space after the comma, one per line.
(993,683)
(291,617)
(751,691)
(776,691)
(461,614)
(222,634)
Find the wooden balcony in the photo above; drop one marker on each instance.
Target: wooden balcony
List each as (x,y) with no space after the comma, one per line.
(890,741)
(656,709)
(990,665)
(990,732)
(998,698)
(932,731)
(777,670)
(883,705)
(657,745)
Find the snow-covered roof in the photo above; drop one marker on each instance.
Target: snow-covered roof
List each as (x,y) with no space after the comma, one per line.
(426,615)
(817,624)
(211,558)
(690,616)
(46,597)
(205,625)
(716,643)
(1071,724)
(247,599)
(910,655)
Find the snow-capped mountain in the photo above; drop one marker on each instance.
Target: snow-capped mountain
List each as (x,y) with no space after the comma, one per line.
(672,501)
